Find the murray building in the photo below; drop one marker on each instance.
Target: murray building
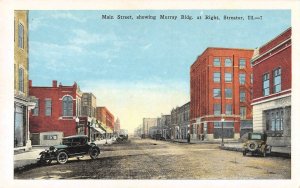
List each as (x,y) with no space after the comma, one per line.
(220,88)
(272,89)
(22,104)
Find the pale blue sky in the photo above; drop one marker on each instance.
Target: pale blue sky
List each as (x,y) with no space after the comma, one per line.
(137,68)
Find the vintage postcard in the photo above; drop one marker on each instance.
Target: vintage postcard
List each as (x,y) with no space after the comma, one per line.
(199,94)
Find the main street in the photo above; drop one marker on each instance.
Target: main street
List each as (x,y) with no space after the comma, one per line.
(151,159)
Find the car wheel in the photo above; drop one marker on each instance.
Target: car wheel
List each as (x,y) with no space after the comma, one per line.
(252,146)
(43,160)
(62,157)
(94,153)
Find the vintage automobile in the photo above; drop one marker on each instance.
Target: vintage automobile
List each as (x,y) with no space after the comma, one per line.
(256,143)
(72,146)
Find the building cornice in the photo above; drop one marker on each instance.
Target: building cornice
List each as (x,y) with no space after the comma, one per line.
(272,98)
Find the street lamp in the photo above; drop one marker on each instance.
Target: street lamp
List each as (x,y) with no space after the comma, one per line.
(77,126)
(222,122)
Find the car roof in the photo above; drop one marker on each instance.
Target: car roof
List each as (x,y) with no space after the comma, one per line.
(76,136)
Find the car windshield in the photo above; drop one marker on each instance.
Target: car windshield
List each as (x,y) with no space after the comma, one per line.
(256,137)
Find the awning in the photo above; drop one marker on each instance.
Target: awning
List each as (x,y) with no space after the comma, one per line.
(98,130)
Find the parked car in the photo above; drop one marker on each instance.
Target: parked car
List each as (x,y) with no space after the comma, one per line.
(72,146)
(256,143)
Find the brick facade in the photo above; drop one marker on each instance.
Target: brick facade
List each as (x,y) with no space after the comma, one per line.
(202,86)
(272,65)
(54,117)
(105,117)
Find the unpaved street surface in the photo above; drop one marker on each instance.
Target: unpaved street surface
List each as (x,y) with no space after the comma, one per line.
(150,159)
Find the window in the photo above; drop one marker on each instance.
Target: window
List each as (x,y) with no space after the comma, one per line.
(242,96)
(243,112)
(228,109)
(21,36)
(21,80)
(217,62)
(228,77)
(275,119)
(242,77)
(217,125)
(217,93)
(266,84)
(217,109)
(35,111)
(277,80)
(228,62)
(217,76)
(242,63)
(228,93)
(48,107)
(67,106)
(251,78)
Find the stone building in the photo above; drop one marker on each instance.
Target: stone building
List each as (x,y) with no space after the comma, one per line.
(272,68)
(220,88)
(22,102)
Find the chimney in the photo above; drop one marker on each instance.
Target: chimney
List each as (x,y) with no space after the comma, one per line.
(54,83)
(30,83)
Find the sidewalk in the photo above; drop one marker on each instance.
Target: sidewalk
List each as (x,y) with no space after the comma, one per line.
(27,158)
(275,151)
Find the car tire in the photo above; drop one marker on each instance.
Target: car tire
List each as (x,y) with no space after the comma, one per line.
(252,146)
(94,153)
(43,160)
(62,157)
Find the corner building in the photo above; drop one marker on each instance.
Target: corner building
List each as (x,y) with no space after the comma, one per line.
(221,88)
(54,116)
(272,89)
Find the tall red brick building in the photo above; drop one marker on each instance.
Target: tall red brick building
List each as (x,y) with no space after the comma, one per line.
(106,118)
(220,89)
(55,114)
(272,67)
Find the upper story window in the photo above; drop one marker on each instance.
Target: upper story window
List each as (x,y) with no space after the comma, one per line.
(35,111)
(242,78)
(217,62)
(48,107)
(217,93)
(21,36)
(266,84)
(217,77)
(251,78)
(228,93)
(243,112)
(228,77)
(21,80)
(242,96)
(277,80)
(228,109)
(217,109)
(228,62)
(242,63)
(67,106)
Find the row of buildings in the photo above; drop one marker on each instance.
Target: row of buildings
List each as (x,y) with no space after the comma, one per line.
(232,92)
(45,114)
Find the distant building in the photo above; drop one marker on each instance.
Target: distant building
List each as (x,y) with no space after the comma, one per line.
(149,123)
(56,114)
(174,123)
(165,126)
(272,64)
(117,126)
(183,119)
(220,88)
(106,119)
(22,103)
(88,105)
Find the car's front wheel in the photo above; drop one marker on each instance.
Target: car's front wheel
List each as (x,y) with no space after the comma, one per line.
(94,153)
(62,157)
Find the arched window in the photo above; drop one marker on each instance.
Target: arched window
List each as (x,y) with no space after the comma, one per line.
(67,106)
